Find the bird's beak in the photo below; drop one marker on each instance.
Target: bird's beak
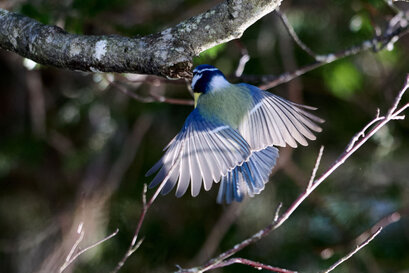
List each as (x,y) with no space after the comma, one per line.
(196,95)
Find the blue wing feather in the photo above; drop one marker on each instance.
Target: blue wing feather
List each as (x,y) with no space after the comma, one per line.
(204,150)
(248,178)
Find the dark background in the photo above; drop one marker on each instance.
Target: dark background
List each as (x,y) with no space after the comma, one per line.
(75,149)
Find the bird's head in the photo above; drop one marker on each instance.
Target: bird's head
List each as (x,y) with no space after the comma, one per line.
(207,79)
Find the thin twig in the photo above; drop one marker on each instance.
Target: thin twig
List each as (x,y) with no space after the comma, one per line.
(398,98)
(245,57)
(362,132)
(277,213)
(134,243)
(145,207)
(317,164)
(375,44)
(256,265)
(80,231)
(353,252)
(297,40)
(341,159)
(384,222)
(159,98)
(70,259)
(151,79)
(227,219)
(152,98)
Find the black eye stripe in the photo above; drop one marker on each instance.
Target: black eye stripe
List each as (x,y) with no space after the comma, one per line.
(196,78)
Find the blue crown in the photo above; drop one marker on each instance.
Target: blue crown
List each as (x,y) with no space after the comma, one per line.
(202,77)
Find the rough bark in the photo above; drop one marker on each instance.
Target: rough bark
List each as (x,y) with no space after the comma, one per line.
(167,53)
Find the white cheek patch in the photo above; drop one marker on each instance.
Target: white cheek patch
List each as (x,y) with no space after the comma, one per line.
(218,82)
(195,79)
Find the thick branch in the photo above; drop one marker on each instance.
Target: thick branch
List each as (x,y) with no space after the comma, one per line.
(168,53)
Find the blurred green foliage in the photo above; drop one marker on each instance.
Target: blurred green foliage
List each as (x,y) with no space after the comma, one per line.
(54,178)
(211,54)
(343,79)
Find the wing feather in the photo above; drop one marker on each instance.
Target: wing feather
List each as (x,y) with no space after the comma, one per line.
(204,151)
(276,121)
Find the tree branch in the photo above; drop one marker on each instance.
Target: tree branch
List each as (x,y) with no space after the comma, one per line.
(256,265)
(354,251)
(71,257)
(167,53)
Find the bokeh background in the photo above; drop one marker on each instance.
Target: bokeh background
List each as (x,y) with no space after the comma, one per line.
(74,148)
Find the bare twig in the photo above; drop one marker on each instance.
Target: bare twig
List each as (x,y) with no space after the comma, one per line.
(398,99)
(277,213)
(381,224)
(145,207)
(159,98)
(384,222)
(353,252)
(317,164)
(362,132)
(151,79)
(245,57)
(229,216)
(134,243)
(379,42)
(393,114)
(71,257)
(256,265)
(153,97)
(297,40)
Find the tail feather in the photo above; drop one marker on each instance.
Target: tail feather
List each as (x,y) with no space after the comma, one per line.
(248,178)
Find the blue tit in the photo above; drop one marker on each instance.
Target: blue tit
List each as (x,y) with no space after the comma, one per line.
(230,137)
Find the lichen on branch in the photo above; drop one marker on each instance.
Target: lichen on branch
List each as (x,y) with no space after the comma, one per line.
(167,53)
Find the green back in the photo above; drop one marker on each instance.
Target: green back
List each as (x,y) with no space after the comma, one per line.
(228,105)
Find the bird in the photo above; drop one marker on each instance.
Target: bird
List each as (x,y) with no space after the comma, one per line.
(231,137)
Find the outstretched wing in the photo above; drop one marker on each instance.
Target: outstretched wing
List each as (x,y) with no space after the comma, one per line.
(276,121)
(204,149)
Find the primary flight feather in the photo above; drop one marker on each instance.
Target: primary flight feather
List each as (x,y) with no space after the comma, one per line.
(230,137)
